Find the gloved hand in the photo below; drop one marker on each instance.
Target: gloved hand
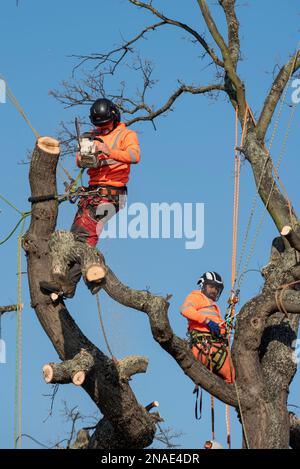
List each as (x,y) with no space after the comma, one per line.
(103,148)
(214,327)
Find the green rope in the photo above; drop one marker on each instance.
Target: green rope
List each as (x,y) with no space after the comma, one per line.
(24,215)
(75,183)
(11,204)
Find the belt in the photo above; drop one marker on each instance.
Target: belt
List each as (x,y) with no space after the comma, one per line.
(197,336)
(108,190)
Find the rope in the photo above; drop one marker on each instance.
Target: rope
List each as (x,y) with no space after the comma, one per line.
(212,399)
(17,105)
(264,211)
(279,296)
(18,379)
(19,108)
(254,202)
(237,173)
(102,325)
(24,215)
(239,401)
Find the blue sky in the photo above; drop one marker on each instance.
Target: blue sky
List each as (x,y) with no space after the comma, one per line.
(189,158)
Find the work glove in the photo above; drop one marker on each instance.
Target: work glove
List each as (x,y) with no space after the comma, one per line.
(214,328)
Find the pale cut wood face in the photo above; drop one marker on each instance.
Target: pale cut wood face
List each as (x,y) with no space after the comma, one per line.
(49,145)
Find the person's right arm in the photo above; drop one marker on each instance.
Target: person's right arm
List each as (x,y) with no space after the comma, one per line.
(190,308)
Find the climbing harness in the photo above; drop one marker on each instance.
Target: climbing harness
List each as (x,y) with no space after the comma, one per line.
(111,193)
(204,342)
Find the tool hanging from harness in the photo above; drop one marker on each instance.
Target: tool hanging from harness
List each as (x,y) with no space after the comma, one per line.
(204,342)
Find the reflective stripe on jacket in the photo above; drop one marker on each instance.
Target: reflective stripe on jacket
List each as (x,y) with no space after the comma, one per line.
(115,168)
(197,308)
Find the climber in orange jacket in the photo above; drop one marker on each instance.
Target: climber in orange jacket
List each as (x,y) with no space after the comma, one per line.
(206,326)
(108,151)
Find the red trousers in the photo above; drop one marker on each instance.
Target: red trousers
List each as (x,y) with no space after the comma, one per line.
(92,215)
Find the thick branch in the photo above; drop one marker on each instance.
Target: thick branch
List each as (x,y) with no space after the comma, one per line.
(292,236)
(228,64)
(7,309)
(233,29)
(290,301)
(294,431)
(74,370)
(64,249)
(156,308)
(132,365)
(262,166)
(275,93)
(187,28)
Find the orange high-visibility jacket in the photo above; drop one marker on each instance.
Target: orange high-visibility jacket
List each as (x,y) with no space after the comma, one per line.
(197,308)
(115,168)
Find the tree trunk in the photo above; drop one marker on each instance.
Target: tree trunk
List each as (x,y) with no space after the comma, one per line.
(105,380)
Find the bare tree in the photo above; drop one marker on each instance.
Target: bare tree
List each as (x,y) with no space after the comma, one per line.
(266,325)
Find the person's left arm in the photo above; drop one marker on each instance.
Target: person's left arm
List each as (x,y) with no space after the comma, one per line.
(130,152)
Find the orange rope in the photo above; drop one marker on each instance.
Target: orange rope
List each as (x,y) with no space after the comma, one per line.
(236,192)
(212,417)
(237,173)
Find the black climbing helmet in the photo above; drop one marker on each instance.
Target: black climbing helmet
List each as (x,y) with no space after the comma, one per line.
(211,278)
(102,111)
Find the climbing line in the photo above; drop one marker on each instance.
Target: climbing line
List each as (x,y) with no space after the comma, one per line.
(19,108)
(102,325)
(25,215)
(227,417)
(18,377)
(266,204)
(275,169)
(212,401)
(11,204)
(238,399)
(237,173)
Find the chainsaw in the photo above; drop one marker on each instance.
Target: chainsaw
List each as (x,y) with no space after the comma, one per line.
(87,147)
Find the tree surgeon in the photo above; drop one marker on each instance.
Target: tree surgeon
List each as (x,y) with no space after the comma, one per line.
(206,326)
(108,151)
